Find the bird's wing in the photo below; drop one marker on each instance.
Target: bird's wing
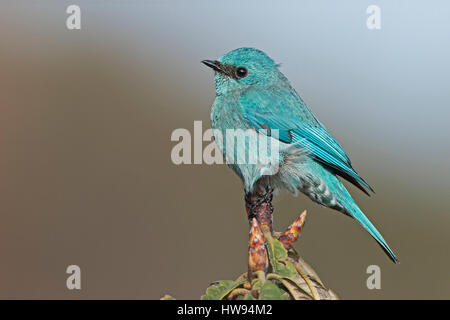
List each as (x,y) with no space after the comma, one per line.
(281,110)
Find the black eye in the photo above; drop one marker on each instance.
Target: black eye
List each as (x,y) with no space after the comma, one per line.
(241,72)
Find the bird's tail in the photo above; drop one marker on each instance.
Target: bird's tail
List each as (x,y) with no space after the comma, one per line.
(359,216)
(337,191)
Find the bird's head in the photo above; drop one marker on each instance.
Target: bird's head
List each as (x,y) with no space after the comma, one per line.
(243,68)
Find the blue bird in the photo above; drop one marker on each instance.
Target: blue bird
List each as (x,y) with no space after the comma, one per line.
(253,95)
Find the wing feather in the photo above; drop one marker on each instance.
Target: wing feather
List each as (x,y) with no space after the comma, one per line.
(296,125)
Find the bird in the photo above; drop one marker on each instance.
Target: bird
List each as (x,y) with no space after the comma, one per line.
(253,95)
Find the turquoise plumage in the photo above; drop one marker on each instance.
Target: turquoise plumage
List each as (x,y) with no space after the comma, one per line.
(252,94)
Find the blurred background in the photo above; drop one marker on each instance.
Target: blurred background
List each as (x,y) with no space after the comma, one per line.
(86,116)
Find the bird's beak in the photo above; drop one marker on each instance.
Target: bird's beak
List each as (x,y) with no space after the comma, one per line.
(213,64)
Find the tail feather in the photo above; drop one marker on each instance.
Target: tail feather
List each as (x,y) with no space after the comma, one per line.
(359,216)
(325,188)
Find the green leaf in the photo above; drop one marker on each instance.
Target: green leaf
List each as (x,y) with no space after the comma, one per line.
(278,257)
(286,269)
(248,297)
(279,251)
(256,285)
(220,289)
(270,291)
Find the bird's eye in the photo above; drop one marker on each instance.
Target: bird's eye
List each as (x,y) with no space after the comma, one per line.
(241,72)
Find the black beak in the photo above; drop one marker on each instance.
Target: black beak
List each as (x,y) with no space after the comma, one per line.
(213,64)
